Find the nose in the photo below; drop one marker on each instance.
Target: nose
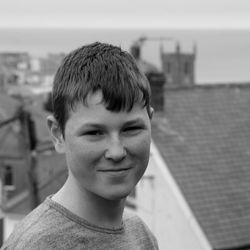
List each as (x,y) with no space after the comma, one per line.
(115,150)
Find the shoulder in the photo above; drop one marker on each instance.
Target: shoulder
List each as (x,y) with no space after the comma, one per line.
(135,225)
(47,227)
(131,219)
(31,232)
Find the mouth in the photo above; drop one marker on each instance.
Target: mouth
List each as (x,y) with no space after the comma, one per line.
(114,170)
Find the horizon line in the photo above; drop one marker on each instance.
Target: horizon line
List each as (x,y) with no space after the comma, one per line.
(177,27)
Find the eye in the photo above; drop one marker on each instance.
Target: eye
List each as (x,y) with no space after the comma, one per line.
(133,129)
(93,133)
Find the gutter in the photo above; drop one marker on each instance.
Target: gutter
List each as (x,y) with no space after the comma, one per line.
(243,247)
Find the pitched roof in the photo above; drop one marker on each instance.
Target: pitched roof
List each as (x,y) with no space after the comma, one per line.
(8,134)
(51,174)
(8,107)
(51,169)
(146,66)
(204,138)
(39,116)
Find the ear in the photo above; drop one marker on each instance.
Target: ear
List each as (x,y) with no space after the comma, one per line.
(56,134)
(151,112)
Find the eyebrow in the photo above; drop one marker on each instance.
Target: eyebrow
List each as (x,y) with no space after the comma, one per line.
(102,126)
(134,121)
(90,126)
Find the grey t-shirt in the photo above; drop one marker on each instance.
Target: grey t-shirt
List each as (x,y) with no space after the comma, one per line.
(51,226)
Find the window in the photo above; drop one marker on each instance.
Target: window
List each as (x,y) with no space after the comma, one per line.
(168,67)
(186,68)
(8,182)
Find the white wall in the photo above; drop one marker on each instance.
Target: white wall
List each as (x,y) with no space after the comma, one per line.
(10,221)
(162,207)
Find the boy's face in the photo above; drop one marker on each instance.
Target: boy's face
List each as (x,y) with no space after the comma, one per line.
(107,152)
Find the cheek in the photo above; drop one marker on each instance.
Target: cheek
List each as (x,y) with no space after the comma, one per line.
(140,155)
(140,149)
(82,158)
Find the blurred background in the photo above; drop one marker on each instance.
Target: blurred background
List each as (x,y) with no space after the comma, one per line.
(196,55)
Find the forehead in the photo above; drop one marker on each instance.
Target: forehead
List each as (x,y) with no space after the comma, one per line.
(95,111)
(94,101)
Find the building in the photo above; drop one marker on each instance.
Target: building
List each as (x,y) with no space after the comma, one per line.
(29,170)
(179,67)
(195,193)
(47,68)
(13,68)
(50,63)
(12,60)
(155,76)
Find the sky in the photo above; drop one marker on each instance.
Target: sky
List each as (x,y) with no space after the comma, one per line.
(221,14)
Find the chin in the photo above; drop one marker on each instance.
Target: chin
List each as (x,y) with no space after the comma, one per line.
(118,195)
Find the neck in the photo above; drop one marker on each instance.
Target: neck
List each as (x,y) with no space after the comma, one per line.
(94,209)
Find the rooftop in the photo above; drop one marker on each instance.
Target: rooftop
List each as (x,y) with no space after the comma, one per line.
(50,169)
(204,138)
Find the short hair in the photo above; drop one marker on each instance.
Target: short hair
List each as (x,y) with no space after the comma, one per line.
(93,67)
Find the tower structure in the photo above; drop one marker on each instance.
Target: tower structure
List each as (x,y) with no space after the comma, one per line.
(179,67)
(155,77)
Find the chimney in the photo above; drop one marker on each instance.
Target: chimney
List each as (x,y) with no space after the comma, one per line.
(157,81)
(135,51)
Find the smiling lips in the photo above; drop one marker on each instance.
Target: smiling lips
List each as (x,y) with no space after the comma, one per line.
(113,170)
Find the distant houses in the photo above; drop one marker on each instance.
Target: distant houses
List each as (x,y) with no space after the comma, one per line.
(33,74)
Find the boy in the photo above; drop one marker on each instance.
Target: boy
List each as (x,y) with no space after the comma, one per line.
(101,122)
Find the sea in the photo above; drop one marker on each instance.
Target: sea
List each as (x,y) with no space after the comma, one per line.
(222,55)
